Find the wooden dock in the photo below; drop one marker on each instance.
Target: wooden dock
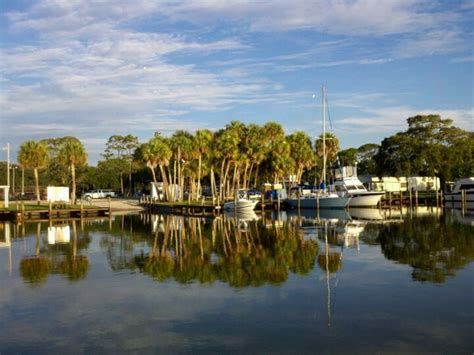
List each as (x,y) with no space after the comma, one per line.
(53,214)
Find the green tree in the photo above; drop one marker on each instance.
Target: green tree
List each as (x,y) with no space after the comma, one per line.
(156,152)
(33,155)
(121,148)
(332,147)
(430,146)
(203,139)
(73,154)
(301,152)
(365,159)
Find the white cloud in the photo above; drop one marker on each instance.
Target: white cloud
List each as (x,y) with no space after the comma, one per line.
(361,17)
(434,42)
(388,120)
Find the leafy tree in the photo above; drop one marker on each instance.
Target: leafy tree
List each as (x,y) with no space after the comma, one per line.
(121,149)
(332,147)
(33,155)
(301,152)
(73,154)
(430,146)
(156,152)
(203,140)
(348,157)
(365,158)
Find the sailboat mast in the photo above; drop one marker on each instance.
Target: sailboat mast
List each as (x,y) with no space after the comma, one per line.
(324,134)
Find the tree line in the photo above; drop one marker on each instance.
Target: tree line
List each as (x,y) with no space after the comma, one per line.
(244,156)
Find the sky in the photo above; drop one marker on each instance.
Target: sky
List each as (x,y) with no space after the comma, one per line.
(92,69)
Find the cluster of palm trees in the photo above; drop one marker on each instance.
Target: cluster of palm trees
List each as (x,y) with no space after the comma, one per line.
(231,158)
(37,155)
(236,156)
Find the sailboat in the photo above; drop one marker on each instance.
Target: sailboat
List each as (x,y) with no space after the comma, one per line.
(320,198)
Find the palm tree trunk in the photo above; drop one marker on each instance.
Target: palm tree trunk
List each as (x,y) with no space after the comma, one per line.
(198,192)
(38,197)
(221,181)
(225,178)
(153,174)
(234,178)
(73,175)
(130,180)
(249,177)
(256,177)
(166,187)
(173,192)
(121,184)
(244,179)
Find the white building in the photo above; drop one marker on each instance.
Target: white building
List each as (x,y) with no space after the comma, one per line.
(396,184)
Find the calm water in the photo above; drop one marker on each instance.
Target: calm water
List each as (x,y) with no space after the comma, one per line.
(291,283)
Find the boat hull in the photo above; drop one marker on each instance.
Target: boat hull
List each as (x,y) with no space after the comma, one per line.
(240,205)
(365,199)
(321,202)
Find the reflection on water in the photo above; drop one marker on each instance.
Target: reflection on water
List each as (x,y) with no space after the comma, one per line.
(281,270)
(247,249)
(232,250)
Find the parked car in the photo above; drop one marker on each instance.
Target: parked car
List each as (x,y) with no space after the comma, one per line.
(98,194)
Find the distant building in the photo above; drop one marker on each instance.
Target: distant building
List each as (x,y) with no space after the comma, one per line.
(396,184)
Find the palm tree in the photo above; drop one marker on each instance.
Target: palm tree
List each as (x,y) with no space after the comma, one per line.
(33,155)
(301,152)
(73,154)
(157,153)
(184,150)
(332,147)
(256,149)
(225,149)
(203,138)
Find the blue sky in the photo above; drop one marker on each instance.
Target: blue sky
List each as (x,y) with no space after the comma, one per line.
(97,68)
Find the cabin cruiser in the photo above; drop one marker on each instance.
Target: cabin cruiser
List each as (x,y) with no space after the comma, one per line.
(241,202)
(360,196)
(319,199)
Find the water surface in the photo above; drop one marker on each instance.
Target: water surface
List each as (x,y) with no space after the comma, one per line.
(362,282)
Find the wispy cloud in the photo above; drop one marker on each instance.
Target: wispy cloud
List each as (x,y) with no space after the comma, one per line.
(388,120)
(341,17)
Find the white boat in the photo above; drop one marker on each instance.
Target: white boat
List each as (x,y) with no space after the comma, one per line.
(321,198)
(361,197)
(466,185)
(241,202)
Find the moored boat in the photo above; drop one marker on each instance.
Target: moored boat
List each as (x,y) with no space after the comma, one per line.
(320,198)
(360,196)
(317,200)
(241,202)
